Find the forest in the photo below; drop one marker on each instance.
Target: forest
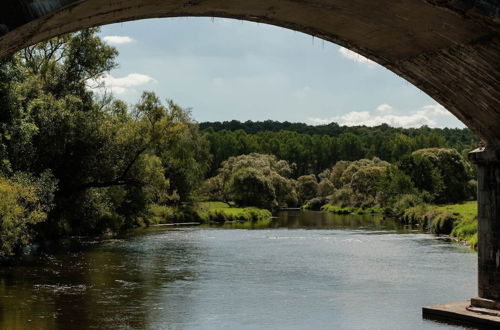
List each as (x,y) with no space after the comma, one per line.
(315,148)
(74,161)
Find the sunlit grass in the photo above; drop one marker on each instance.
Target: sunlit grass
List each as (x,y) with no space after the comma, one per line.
(457,220)
(350,209)
(467,209)
(206,212)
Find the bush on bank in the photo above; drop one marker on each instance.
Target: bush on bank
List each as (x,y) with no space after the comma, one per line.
(457,220)
(24,202)
(207,212)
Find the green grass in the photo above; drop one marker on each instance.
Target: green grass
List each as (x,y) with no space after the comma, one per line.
(466,230)
(222,212)
(466,210)
(350,210)
(337,209)
(205,212)
(457,220)
(215,205)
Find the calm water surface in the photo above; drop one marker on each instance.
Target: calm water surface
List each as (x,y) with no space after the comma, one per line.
(307,270)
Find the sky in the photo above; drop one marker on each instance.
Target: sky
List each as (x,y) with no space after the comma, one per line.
(224,69)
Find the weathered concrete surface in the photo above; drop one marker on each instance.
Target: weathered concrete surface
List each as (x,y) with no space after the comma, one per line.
(488,198)
(486,303)
(457,311)
(450,49)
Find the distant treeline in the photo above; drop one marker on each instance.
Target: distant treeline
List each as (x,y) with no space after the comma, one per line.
(453,136)
(313,148)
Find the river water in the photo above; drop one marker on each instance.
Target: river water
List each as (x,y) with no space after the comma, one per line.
(304,270)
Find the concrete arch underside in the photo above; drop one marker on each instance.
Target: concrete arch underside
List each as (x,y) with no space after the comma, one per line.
(450,49)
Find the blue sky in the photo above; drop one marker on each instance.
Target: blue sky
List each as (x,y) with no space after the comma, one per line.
(228,69)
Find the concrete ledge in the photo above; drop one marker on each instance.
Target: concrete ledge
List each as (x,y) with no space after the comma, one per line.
(485,155)
(485,303)
(456,312)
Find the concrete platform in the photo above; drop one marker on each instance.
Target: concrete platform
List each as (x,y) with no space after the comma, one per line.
(458,313)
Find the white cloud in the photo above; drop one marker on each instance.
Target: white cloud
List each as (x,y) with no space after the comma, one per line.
(436,109)
(429,115)
(385,108)
(122,85)
(118,40)
(349,54)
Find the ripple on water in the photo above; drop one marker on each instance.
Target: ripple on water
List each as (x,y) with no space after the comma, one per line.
(61,289)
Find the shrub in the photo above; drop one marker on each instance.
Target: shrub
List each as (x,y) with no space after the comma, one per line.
(337,209)
(443,223)
(24,202)
(315,203)
(343,197)
(404,202)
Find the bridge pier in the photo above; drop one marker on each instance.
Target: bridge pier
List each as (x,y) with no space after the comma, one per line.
(488,198)
(484,309)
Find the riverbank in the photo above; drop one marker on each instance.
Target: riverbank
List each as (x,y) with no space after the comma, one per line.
(205,213)
(459,221)
(351,209)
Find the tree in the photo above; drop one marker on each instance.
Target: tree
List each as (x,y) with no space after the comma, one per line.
(307,187)
(401,145)
(366,180)
(68,64)
(337,172)
(250,187)
(442,172)
(351,147)
(325,188)
(25,202)
(111,162)
(254,179)
(424,174)
(394,184)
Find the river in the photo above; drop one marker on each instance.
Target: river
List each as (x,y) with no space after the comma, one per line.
(303,270)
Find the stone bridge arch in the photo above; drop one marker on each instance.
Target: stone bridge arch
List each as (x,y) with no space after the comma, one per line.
(450,49)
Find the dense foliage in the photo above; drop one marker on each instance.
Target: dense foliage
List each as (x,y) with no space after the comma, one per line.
(102,163)
(254,179)
(441,172)
(77,162)
(314,148)
(25,202)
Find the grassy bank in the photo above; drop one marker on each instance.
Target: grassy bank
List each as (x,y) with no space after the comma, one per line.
(351,209)
(207,213)
(457,220)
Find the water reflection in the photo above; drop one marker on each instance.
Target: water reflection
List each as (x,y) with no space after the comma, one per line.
(112,285)
(327,220)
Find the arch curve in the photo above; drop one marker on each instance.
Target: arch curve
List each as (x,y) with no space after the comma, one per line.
(450,49)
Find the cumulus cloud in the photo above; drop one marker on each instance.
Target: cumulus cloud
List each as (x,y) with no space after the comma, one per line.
(118,40)
(385,108)
(122,85)
(430,115)
(349,54)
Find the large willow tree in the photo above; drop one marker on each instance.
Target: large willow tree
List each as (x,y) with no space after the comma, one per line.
(110,161)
